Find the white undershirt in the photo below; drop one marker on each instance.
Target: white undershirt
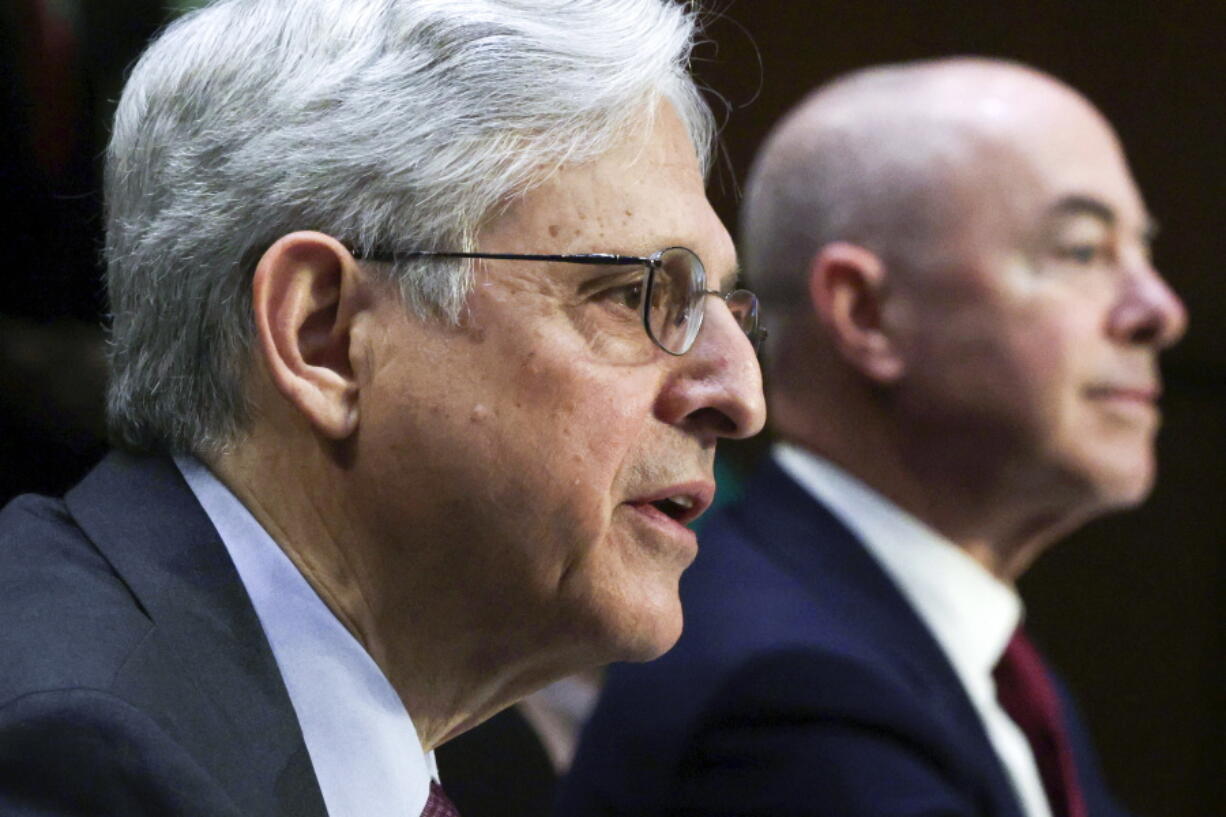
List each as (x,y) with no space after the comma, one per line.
(363,746)
(971,613)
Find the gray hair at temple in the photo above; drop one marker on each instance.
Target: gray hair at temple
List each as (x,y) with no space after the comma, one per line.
(396,124)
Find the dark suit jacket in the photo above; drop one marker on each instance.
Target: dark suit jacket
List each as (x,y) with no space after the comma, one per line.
(134,676)
(803,684)
(498,769)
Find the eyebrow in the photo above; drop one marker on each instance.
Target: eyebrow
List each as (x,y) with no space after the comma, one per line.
(1082,205)
(1078,205)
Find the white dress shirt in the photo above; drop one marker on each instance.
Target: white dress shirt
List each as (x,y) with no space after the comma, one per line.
(363,746)
(557,714)
(970,612)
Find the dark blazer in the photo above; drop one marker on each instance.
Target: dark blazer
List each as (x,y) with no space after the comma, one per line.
(134,676)
(803,684)
(499,768)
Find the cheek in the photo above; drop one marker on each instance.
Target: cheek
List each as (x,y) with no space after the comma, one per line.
(560,432)
(1041,358)
(1057,351)
(997,368)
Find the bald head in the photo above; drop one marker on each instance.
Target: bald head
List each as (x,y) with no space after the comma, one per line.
(894,159)
(955,261)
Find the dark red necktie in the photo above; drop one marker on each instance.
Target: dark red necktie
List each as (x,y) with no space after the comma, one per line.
(438,805)
(1027,694)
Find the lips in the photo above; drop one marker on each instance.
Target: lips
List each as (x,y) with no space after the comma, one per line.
(1136,394)
(682,503)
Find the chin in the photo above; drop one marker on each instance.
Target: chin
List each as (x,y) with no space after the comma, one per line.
(644,634)
(1130,495)
(661,642)
(1124,488)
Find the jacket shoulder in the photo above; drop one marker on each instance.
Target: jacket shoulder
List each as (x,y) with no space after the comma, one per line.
(70,619)
(85,751)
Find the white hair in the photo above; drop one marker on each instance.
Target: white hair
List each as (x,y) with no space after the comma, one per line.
(390,124)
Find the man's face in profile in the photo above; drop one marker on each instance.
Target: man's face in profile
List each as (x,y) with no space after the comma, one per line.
(1045,338)
(536,446)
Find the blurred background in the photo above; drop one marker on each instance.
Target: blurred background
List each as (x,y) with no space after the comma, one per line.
(1131,609)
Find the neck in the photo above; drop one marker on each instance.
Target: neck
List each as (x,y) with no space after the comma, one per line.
(301,521)
(1001,522)
(440,652)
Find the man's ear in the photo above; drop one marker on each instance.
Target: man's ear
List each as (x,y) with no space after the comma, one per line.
(847,287)
(306,292)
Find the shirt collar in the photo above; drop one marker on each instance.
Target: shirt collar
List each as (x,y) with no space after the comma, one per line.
(970,612)
(361,740)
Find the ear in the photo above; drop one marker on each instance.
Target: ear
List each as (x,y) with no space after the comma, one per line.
(306,292)
(847,288)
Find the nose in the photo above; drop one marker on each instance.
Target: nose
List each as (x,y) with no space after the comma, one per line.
(715,389)
(1149,312)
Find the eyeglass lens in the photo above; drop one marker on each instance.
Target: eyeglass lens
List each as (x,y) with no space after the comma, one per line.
(673,309)
(744,307)
(676,299)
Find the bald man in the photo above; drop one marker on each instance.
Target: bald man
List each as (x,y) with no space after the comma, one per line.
(964,369)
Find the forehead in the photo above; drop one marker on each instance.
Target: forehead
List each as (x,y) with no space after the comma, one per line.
(1061,153)
(645,194)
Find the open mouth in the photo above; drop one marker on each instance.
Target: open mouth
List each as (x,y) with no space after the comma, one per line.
(680,502)
(677,508)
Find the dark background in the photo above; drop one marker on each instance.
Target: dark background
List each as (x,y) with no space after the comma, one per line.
(61,68)
(1131,608)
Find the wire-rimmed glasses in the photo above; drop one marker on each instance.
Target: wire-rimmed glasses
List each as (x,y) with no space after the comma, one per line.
(672,294)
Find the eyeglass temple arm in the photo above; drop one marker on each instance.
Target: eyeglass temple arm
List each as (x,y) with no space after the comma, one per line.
(584,258)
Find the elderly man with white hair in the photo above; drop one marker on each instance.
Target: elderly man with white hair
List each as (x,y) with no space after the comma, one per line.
(423,336)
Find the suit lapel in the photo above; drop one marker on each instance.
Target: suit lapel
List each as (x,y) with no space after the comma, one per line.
(801,535)
(207,665)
